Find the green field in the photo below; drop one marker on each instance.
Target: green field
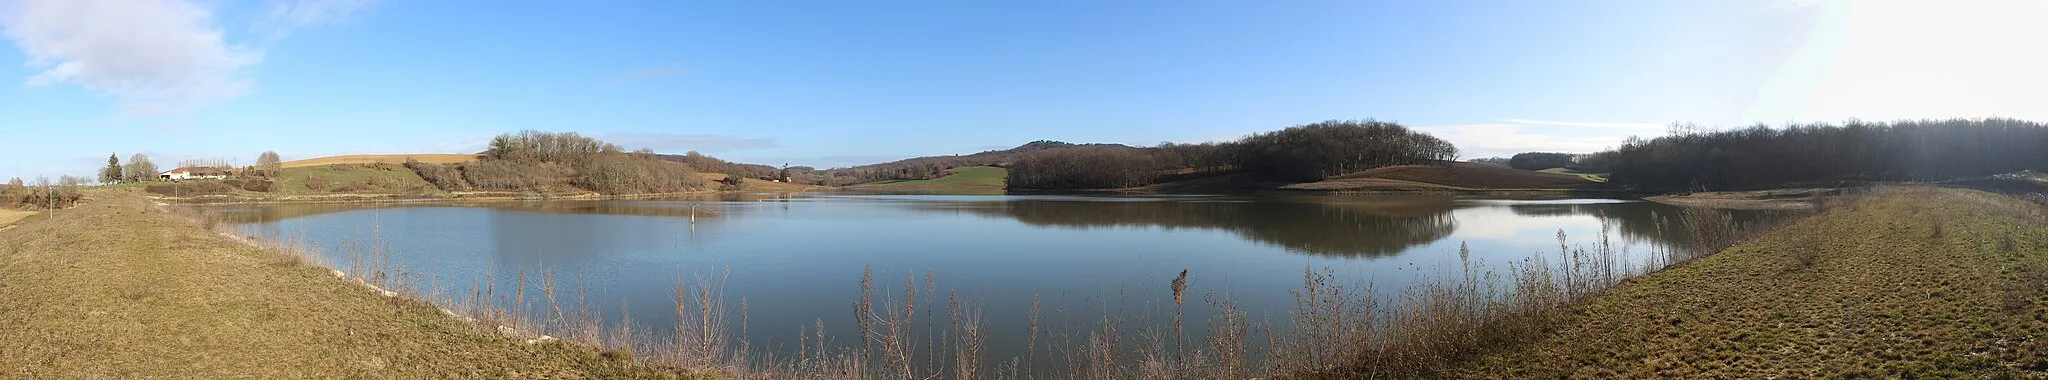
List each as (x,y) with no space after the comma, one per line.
(963,178)
(1595,177)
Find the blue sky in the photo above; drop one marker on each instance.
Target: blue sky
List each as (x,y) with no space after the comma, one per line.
(844,83)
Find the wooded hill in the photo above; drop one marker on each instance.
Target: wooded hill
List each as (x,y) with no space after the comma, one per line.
(935,166)
(1304,153)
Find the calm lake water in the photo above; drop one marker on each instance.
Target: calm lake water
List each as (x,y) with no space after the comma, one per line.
(798,258)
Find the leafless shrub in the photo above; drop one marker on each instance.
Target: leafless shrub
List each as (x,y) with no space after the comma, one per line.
(511,176)
(635,174)
(444,177)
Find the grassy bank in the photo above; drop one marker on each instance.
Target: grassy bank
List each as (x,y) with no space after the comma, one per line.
(1916,282)
(963,178)
(119,288)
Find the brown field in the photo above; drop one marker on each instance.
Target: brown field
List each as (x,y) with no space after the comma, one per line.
(119,288)
(432,158)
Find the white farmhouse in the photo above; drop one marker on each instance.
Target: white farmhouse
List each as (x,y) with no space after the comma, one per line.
(186,173)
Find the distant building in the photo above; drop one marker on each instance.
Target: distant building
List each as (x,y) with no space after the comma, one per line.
(186,173)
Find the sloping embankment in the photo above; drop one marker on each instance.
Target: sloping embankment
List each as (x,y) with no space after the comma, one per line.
(1908,282)
(117,288)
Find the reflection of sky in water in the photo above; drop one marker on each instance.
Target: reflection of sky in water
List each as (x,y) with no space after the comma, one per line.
(798,259)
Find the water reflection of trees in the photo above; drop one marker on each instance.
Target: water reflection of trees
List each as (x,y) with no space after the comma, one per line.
(1326,225)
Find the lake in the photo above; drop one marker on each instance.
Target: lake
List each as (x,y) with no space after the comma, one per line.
(797,259)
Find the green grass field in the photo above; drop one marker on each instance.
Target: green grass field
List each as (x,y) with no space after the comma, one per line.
(1594,177)
(963,178)
(358,179)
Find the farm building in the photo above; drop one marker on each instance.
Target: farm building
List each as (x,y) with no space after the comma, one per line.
(186,173)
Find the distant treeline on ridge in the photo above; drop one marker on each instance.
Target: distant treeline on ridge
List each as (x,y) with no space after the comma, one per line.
(1301,153)
(1761,157)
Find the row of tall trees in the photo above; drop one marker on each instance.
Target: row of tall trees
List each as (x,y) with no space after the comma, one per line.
(1801,154)
(1300,153)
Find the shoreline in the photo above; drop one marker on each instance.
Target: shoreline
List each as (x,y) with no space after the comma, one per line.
(125,286)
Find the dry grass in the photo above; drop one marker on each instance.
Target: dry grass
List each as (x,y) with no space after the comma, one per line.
(8,216)
(1914,282)
(118,288)
(1903,282)
(394,159)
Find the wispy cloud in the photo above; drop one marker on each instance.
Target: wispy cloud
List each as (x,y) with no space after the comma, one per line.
(1588,124)
(1509,136)
(650,73)
(675,142)
(154,57)
(281,18)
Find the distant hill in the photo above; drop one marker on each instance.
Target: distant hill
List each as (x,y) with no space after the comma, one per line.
(931,167)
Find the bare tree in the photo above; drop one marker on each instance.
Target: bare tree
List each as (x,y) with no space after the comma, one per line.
(269,163)
(139,168)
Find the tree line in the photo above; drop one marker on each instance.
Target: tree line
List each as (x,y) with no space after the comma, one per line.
(1821,153)
(1301,153)
(42,194)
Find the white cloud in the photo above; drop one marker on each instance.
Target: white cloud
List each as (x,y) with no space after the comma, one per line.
(155,56)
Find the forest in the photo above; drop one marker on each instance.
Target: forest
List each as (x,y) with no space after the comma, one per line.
(1301,153)
(1823,154)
